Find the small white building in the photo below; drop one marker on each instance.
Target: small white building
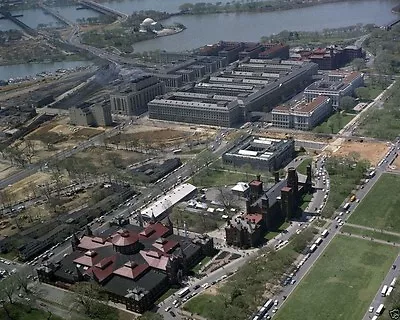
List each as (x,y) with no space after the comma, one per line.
(241,189)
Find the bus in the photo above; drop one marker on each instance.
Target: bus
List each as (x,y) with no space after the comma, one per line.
(380,309)
(384,290)
(325,233)
(353,198)
(389,291)
(392,284)
(261,312)
(318,241)
(371,174)
(313,247)
(268,305)
(346,206)
(183,292)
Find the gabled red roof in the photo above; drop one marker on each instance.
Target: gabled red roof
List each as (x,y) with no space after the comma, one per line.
(131,271)
(155,259)
(124,238)
(90,243)
(103,269)
(166,246)
(89,259)
(286,189)
(154,231)
(255,183)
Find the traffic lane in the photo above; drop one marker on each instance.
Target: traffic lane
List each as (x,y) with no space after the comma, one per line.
(378,299)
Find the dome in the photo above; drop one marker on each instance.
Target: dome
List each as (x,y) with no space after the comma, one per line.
(147,22)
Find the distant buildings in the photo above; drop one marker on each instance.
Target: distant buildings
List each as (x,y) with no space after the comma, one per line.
(262,153)
(132,99)
(330,58)
(189,107)
(134,265)
(233,51)
(91,115)
(335,85)
(267,209)
(302,115)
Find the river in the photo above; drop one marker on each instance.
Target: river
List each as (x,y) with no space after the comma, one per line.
(202,29)
(31,69)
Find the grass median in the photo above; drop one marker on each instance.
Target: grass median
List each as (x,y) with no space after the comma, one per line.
(371,234)
(342,282)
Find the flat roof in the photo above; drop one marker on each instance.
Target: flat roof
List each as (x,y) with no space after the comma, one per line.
(302,106)
(169,200)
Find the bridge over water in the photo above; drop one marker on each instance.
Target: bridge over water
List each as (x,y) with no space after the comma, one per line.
(102,9)
(26,28)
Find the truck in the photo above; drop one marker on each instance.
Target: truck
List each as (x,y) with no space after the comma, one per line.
(268,305)
(346,206)
(393,283)
(384,290)
(318,241)
(183,292)
(313,247)
(372,174)
(325,233)
(389,291)
(379,310)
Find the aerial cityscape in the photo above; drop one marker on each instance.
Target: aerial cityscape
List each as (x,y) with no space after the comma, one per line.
(167,159)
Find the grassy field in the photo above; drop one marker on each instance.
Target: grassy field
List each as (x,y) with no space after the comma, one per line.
(20,311)
(379,209)
(334,124)
(344,175)
(371,234)
(342,282)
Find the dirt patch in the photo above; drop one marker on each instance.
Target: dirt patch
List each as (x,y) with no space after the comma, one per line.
(371,151)
(296,136)
(213,290)
(23,188)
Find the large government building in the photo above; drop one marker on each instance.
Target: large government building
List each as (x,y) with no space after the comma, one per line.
(261,153)
(132,99)
(189,107)
(302,115)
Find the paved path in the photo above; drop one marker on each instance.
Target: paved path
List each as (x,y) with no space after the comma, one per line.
(369,239)
(373,229)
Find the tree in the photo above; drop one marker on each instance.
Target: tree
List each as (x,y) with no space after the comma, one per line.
(90,296)
(358,64)
(347,103)
(363,94)
(8,288)
(227,198)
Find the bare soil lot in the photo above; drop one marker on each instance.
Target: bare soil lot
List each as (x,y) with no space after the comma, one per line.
(371,151)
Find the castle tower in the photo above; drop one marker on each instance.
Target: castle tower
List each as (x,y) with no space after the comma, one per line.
(293,180)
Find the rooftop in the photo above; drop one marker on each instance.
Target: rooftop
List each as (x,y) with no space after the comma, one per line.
(302,107)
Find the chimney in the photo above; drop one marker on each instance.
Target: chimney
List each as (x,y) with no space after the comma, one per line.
(276,175)
(258,177)
(248,206)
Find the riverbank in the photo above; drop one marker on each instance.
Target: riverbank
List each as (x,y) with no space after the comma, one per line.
(396,9)
(199,8)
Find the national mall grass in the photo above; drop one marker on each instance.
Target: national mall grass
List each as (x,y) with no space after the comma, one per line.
(380,208)
(342,283)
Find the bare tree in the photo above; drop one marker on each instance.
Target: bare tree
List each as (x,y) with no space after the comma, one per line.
(227,198)
(8,288)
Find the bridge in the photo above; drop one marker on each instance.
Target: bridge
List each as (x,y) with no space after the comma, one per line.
(26,28)
(102,9)
(391,24)
(56,15)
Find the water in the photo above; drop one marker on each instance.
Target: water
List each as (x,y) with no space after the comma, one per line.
(73,15)
(31,69)
(203,29)
(34,17)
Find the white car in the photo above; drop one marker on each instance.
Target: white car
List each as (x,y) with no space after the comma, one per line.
(167,308)
(371,309)
(276,302)
(205,285)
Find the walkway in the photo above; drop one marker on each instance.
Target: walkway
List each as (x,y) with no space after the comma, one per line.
(372,229)
(369,239)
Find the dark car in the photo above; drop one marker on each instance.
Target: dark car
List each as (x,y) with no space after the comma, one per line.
(196,287)
(393,266)
(172,313)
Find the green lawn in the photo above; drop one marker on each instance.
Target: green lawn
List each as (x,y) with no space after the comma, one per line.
(202,263)
(302,167)
(169,292)
(20,311)
(342,283)
(380,208)
(334,124)
(195,222)
(371,234)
